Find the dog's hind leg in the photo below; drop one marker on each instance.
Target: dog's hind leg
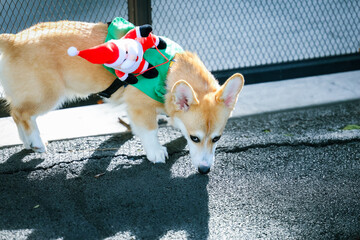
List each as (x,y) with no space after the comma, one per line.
(28,130)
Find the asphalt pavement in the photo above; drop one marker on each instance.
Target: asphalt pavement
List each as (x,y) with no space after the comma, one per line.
(291,174)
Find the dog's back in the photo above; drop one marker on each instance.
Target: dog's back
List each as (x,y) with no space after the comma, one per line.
(36,56)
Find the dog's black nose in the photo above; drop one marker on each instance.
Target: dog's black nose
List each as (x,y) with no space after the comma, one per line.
(204,169)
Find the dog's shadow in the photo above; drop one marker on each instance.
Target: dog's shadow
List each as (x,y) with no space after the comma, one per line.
(142,200)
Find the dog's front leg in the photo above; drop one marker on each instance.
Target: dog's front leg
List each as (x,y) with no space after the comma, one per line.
(154,151)
(142,113)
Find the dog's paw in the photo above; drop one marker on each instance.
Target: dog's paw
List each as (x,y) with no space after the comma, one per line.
(158,155)
(37,144)
(41,148)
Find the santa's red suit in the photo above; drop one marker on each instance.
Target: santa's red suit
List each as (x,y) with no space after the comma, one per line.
(125,55)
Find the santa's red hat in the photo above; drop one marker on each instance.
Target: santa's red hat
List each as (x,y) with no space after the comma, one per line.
(107,53)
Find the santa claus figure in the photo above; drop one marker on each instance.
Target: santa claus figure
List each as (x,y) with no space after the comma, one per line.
(125,55)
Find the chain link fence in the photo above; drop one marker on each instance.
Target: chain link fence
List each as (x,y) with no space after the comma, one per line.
(226,34)
(16,15)
(229,34)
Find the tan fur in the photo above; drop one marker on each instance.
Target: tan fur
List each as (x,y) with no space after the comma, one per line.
(38,75)
(142,109)
(209,113)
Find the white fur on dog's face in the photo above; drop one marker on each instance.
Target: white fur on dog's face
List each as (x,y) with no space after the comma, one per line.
(202,154)
(202,119)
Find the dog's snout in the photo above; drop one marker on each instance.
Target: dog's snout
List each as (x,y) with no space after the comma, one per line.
(204,169)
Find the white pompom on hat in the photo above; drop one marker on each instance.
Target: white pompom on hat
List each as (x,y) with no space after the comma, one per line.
(72,51)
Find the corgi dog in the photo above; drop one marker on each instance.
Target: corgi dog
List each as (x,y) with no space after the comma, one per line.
(38,75)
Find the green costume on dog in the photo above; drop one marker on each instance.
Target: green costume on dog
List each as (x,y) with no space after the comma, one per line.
(153,87)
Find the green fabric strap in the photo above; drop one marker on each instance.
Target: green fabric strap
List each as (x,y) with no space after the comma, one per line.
(154,87)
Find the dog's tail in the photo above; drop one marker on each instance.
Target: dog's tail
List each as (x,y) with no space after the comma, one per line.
(6,41)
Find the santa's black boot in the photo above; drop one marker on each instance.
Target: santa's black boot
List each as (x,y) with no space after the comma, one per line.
(131,79)
(145,30)
(152,73)
(162,44)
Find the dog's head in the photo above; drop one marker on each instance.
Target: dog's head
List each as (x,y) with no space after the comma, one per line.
(201,113)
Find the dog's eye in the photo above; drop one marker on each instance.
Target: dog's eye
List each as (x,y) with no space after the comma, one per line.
(215,139)
(194,139)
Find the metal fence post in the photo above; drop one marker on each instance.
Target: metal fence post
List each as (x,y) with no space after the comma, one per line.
(139,11)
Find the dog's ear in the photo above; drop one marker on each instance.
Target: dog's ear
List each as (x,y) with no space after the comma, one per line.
(229,91)
(183,95)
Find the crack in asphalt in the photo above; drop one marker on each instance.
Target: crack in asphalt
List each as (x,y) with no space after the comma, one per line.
(329,142)
(235,149)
